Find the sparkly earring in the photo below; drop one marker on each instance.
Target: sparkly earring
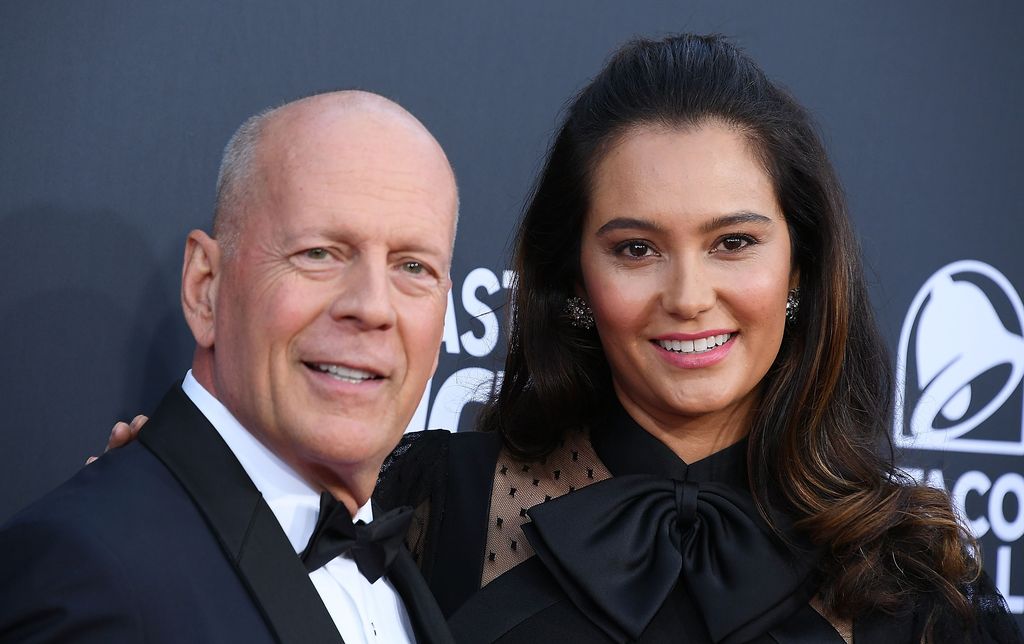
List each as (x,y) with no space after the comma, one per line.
(792,305)
(579,313)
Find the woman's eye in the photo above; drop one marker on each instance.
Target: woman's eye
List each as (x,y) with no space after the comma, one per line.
(636,249)
(734,243)
(317,253)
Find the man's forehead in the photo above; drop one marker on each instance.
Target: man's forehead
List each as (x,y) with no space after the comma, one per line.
(315,216)
(392,156)
(352,165)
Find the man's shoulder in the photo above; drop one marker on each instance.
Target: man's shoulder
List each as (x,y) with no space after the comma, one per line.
(78,550)
(108,489)
(109,515)
(121,552)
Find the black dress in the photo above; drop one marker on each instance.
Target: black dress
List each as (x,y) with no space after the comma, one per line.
(661,551)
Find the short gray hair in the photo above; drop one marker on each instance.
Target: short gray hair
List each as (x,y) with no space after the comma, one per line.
(235,179)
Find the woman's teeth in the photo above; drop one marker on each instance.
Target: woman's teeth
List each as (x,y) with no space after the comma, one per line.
(695,346)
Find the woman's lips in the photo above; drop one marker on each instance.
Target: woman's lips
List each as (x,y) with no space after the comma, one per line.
(696,351)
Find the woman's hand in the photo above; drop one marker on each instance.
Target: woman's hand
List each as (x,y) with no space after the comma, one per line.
(122,434)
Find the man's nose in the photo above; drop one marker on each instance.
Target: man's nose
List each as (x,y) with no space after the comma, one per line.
(365,295)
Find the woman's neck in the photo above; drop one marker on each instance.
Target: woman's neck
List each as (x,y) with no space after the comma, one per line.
(693,438)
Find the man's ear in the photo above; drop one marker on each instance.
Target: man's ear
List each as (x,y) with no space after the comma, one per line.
(200,275)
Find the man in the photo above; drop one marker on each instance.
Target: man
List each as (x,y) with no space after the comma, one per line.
(317,308)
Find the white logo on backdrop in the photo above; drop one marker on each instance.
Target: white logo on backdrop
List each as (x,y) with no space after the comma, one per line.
(951,336)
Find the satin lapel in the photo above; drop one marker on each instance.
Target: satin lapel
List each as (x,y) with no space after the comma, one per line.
(427,620)
(183,439)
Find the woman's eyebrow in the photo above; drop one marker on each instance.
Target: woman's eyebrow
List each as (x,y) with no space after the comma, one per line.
(734,219)
(723,221)
(629,223)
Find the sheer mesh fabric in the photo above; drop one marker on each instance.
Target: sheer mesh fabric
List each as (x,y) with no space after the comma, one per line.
(415,538)
(415,474)
(519,486)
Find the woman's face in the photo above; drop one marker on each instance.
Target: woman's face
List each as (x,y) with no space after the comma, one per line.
(685,260)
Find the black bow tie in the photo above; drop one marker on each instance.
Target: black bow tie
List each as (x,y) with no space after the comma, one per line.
(620,546)
(372,545)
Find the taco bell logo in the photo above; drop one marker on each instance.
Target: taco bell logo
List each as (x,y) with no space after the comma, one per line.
(960,362)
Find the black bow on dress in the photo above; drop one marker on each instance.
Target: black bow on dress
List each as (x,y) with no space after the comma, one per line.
(620,546)
(372,545)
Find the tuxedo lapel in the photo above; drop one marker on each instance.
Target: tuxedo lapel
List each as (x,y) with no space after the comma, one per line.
(188,445)
(427,620)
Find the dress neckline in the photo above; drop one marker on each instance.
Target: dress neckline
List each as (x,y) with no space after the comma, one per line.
(627,448)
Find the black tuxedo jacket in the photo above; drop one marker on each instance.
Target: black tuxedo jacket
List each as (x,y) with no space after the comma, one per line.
(168,540)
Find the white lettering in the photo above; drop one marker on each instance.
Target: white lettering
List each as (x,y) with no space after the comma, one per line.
(484,344)
(1014,602)
(936,480)
(1007,531)
(915,473)
(472,384)
(972,481)
(450,338)
(508,280)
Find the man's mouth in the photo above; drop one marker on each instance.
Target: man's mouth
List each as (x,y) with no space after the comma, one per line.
(342,373)
(700,345)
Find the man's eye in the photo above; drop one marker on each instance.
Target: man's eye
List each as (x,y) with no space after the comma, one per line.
(317,253)
(416,268)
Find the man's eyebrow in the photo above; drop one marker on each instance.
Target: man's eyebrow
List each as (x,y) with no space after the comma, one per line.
(629,223)
(734,219)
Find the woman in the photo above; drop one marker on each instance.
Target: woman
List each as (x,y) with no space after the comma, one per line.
(692,428)
(691,433)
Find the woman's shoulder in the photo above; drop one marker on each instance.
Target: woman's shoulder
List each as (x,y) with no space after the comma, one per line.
(423,461)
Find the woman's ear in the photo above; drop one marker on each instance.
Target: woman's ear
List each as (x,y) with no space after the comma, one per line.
(200,274)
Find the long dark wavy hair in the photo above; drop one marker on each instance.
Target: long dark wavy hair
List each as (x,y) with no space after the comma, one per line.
(819,446)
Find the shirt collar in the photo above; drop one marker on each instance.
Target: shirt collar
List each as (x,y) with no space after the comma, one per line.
(627,448)
(293,501)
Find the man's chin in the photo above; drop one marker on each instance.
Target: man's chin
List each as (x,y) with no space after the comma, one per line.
(352,441)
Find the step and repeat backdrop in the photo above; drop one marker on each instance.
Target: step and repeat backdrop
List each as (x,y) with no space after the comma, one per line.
(113,115)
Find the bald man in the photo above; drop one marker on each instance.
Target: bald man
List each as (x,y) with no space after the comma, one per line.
(242,513)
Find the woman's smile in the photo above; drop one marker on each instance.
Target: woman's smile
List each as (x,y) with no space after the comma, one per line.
(704,351)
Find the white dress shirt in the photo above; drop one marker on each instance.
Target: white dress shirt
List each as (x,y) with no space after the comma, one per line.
(364,613)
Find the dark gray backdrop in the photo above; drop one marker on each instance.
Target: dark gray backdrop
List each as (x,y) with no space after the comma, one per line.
(113,115)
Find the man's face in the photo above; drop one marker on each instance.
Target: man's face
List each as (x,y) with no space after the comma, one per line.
(330,310)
